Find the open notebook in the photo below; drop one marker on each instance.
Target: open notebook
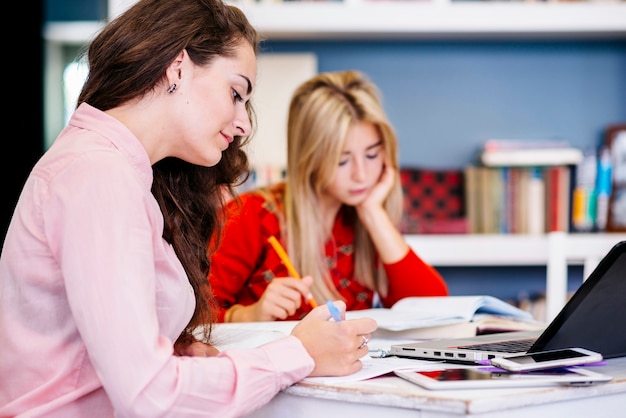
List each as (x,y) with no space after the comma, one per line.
(592,319)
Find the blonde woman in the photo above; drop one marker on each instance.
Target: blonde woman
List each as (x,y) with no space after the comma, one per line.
(336,215)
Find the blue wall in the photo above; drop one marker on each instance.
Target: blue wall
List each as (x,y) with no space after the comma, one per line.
(508,283)
(446,98)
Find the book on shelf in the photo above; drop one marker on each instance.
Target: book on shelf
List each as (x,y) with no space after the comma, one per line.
(426,317)
(472,204)
(558,198)
(535,189)
(500,152)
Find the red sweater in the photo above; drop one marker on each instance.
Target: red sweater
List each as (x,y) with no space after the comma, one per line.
(245,262)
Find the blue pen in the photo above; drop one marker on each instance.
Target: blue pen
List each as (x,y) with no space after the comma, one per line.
(334,311)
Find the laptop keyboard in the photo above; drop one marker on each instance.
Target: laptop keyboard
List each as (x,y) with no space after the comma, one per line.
(512,346)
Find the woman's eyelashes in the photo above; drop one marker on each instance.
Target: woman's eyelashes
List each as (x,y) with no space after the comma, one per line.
(374,151)
(369,156)
(237,97)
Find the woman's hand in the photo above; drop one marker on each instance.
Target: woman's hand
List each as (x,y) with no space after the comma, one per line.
(387,239)
(371,210)
(377,195)
(281,299)
(336,347)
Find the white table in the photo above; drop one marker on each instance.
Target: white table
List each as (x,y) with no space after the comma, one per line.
(393,397)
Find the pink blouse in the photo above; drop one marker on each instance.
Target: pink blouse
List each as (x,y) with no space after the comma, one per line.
(92,297)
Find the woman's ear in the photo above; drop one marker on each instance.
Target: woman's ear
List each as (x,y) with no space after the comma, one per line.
(174,70)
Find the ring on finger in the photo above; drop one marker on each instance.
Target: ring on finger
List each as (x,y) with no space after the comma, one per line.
(365,341)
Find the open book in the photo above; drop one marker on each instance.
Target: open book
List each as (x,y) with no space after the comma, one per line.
(425,317)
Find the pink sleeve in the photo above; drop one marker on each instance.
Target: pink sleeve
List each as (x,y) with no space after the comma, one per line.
(248,378)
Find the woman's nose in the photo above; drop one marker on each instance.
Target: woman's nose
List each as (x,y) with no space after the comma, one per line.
(358,169)
(242,122)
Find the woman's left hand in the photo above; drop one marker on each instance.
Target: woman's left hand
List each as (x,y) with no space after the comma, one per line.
(380,191)
(386,237)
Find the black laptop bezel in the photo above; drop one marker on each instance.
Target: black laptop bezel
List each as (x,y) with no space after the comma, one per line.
(543,341)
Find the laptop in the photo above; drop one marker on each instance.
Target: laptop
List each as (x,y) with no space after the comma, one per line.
(592,319)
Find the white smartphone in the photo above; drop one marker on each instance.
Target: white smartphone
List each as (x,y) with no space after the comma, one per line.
(482,378)
(547,359)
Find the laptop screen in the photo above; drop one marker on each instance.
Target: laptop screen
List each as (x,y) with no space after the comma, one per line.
(598,307)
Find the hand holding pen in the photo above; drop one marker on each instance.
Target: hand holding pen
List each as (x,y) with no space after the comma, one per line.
(281,298)
(334,311)
(338,317)
(288,264)
(336,347)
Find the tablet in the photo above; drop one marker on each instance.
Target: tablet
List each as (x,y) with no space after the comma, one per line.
(486,377)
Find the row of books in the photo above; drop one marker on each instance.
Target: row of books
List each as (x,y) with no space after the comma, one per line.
(517,200)
(515,187)
(583,191)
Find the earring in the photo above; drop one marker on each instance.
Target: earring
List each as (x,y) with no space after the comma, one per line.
(172,88)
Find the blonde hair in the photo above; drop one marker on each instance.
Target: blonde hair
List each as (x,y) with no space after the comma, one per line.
(321,112)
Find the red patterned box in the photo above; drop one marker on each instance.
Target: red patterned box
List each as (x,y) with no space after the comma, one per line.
(433,201)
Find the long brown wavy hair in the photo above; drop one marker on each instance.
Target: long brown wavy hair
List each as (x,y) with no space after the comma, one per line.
(128,60)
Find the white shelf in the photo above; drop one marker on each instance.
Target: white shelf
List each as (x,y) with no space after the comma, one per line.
(423,19)
(555,250)
(506,249)
(71,33)
(408,19)
(481,249)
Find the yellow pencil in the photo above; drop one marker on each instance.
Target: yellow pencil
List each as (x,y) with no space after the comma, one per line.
(282,254)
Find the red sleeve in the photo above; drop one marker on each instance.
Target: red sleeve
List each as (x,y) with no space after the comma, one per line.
(411,276)
(243,239)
